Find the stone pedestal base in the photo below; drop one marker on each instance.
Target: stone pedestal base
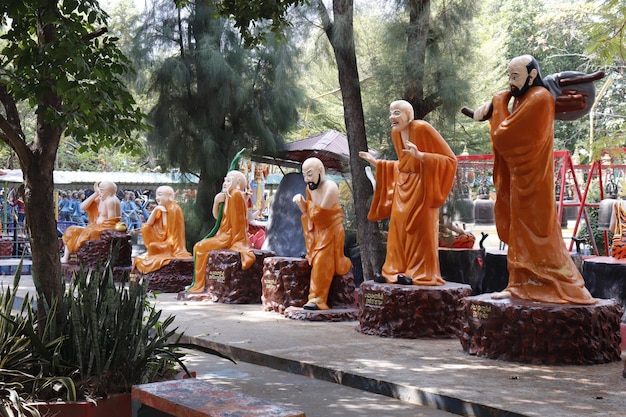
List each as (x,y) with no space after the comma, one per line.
(286,283)
(172,278)
(334,314)
(605,277)
(463,266)
(94,252)
(226,282)
(411,311)
(542,333)
(120,273)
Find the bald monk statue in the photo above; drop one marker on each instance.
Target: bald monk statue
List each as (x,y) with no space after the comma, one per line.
(322,223)
(233,230)
(103,210)
(410,192)
(540,266)
(163,233)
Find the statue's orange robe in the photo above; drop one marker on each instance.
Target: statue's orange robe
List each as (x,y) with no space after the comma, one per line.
(232,234)
(75,236)
(324,238)
(410,192)
(540,267)
(164,242)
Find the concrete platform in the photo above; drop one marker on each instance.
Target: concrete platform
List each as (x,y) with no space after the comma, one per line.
(297,363)
(436,373)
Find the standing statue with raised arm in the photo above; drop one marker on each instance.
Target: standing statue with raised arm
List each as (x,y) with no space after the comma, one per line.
(322,222)
(540,267)
(410,192)
(163,233)
(103,209)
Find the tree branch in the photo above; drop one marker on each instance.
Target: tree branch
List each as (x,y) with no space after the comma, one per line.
(11,126)
(95,34)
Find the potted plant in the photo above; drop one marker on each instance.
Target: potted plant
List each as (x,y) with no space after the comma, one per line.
(113,338)
(25,358)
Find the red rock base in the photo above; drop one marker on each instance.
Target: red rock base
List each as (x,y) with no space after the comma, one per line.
(286,283)
(332,315)
(172,278)
(411,311)
(120,273)
(94,252)
(227,283)
(542,333)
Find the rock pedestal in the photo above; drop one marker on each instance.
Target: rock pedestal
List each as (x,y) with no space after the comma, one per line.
(542,333)
(463,266)
(286,283)
(411,311)
(171,278)
(96,252)
(226,282)
(605,277)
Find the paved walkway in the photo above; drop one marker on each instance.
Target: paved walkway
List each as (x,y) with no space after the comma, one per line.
(433,373)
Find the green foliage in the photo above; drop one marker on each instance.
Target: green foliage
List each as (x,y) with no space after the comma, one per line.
(607,31)
(58,58)
(115,338)
(249,16)
(216,97)
(26,356)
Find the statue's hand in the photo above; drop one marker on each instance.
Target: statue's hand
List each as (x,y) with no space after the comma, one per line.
(367,157)
(220,198)
(571,100)
(483,112)
(413,150)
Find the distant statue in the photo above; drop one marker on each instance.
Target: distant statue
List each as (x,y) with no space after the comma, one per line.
(103,210)
(539,264)
(410,192)
(163,233)
(322,222)
(233,229)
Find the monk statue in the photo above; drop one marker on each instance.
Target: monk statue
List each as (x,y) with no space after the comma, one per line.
(103,210)
(322,223)
(163,233)
(540,266)
(233,229)
(410,192)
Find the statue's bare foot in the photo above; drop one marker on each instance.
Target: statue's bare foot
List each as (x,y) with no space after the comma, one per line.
(500,295)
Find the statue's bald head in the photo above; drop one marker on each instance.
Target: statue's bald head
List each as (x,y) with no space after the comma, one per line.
(524,73)
(107,187)
(313,172)
(165,194)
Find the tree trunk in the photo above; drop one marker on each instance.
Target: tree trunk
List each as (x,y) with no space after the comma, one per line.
(341,36)
(41,226)
(419,26)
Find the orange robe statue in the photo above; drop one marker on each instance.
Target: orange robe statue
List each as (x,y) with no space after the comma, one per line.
(410,192)
(75,236)
(164,241)
(103,211)
(324,240)
(232,234)
(540,267)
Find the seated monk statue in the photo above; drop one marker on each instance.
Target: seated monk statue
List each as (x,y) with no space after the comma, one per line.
(103,209)
(163,233)
(233,229)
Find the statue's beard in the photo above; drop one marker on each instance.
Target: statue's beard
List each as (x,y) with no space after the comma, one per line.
(515,92)
(313,185)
